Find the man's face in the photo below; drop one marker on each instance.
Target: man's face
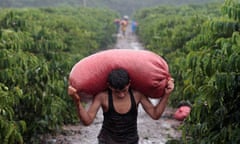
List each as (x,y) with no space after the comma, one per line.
(120,93)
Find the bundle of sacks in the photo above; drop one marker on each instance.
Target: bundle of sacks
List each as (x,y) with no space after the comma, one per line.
(148,71)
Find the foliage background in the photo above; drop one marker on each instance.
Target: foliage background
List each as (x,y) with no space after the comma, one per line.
(39,46)
(201,44)
(124,7)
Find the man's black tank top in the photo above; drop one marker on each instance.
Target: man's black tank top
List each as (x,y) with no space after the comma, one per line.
(119,128)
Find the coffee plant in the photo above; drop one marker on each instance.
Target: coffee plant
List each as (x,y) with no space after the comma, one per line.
(202,47)
(38,47)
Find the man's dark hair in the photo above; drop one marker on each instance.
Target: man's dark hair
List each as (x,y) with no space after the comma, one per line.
(118,78)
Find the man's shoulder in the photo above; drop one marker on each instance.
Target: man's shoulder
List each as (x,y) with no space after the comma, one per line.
(135,91)
(137,94)
(102,94)
(102,97)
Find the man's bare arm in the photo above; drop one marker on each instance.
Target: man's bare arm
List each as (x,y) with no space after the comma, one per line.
(155,112)
(86,116)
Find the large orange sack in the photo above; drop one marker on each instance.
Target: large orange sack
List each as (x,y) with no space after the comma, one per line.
(148,71)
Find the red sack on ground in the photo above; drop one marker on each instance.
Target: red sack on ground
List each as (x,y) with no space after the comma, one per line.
(148,71)
(182,112)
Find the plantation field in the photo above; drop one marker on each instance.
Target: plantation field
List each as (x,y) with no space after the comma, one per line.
(39,46)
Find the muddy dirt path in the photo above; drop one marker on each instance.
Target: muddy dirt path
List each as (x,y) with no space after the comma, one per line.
(150,131)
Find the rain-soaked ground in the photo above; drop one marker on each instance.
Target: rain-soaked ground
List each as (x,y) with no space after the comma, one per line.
(150,131)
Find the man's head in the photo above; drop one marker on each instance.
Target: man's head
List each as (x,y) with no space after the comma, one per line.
(118,79)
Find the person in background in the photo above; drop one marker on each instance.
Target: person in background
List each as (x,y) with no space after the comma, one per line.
(134,25)
(117,23)
(124,25)
(120,108)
